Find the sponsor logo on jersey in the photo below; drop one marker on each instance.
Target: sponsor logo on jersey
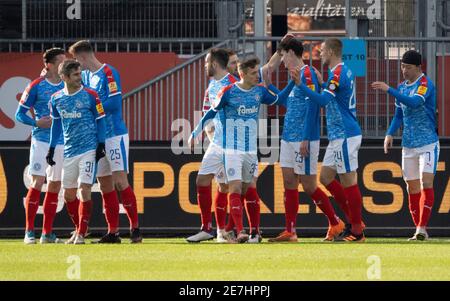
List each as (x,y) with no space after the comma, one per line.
(243,110)
(65,114)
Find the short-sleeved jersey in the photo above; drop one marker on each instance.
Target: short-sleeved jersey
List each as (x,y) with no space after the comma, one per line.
(297,109)
(78,113)
(341,111)
(238,112)
(419,124)
(37,97)
(106,82)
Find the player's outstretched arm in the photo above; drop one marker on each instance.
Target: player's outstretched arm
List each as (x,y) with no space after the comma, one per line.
(275,59)
(270,97)
(410,101)
(322,99)
(201,125)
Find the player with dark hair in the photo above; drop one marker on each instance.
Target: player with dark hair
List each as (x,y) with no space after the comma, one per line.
(415,110)
(37,96)
(300,148)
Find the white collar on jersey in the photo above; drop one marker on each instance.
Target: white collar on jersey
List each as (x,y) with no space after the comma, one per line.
(242,89)
(414,82)
(341,63)
(99,69)
(219,80)
(50,83)
(67,92)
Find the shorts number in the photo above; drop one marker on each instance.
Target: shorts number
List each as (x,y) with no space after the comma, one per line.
(298,157)
(115,154)
(252,168)
(89,166)
(338,156)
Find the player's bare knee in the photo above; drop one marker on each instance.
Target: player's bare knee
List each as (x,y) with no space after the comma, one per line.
(54,186)
(120,179)
(326,179)
(70,194)
(309,189)
(223,188)
(106,184)
(85,190)
(37,182)
(203,180)
(413,186)
(290,183)
(427,180)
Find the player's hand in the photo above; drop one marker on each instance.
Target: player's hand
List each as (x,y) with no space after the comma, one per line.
(304,148)
(100,152)
(388,141)
(49,157)
(267,76)
(295,75)
(319,76)
(380,86)
(287,37)
(44,122)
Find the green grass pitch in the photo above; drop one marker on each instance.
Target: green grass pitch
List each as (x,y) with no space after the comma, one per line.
(174,259)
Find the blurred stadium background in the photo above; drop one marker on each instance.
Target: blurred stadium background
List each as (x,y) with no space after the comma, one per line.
(159,49)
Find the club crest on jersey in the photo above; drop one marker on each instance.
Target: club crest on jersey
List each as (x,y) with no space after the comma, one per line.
(231,172)
(312,87)
(78,104)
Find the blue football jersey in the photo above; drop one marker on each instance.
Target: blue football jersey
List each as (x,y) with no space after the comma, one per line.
(419,124)
(37,97)
(214,88)
(238,114)
(78,113)
(341,111)
(296,119)
(106,82)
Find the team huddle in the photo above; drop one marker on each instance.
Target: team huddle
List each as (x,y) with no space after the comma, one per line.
(231,111)
(79,135)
